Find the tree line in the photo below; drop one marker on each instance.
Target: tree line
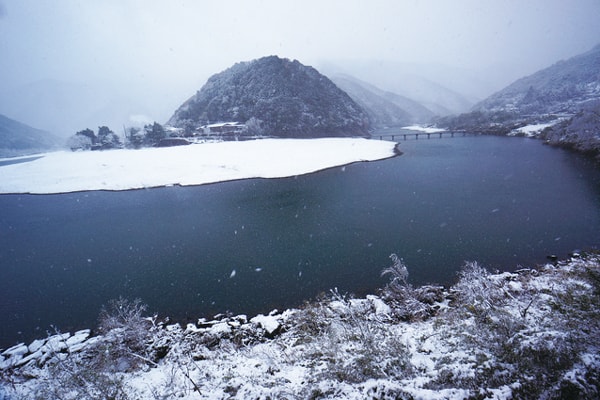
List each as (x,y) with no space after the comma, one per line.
(148,136)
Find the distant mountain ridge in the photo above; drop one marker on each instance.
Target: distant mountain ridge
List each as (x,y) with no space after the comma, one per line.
(284,97)
(560,88)
(564,97)
(385,109)
(17,138)
(409,81)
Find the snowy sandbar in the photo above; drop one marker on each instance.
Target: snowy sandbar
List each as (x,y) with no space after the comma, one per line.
(64,171)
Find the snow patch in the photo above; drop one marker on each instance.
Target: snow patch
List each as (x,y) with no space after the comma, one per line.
(425,129)
(381,308)
(269,323)
(531,130)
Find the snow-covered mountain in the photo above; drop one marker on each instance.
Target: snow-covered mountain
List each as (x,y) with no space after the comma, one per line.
(17,138)
(385,109)
(561,100)
(580,132)
(284,97)
(560,88)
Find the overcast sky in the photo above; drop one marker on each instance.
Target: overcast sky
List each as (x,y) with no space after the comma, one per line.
(169,48)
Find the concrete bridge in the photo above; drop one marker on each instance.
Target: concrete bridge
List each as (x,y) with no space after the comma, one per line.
(405,136)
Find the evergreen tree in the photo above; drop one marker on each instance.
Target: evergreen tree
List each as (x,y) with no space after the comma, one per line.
(135,137)
(82,140)
(154,133)
(107,139)
(87,132)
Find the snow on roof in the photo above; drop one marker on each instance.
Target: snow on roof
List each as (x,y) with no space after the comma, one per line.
(221,124)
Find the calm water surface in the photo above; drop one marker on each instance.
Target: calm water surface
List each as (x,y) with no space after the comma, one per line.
(254,245)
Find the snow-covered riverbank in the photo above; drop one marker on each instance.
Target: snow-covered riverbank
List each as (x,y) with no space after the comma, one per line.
(530,334)
(424,129)
(62,172)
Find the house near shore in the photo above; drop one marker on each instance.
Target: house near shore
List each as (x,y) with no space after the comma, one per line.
(224,128)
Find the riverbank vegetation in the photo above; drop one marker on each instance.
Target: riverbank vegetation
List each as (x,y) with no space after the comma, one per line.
(534,333)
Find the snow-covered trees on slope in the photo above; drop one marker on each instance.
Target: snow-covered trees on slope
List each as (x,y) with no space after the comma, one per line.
(532,334)
(581,132)
(559,88)
(290,100)
(564,94)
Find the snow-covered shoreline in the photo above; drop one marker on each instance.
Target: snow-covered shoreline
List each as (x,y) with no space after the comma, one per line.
(63,172)
(424,129)
(529,334)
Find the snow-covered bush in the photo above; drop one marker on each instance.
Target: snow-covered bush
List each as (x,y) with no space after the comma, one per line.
(74,378)
(476,291)
(126,334)
(531,328)
(337,325)
(408,303)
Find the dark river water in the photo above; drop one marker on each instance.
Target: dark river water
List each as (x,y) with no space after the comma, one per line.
(253,245)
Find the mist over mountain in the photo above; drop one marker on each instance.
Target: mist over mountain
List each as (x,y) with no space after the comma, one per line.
(18,139)
(562,100)
(560,88)
(425,85)
(283,97)
(64,107)
(434,96)
(385,109)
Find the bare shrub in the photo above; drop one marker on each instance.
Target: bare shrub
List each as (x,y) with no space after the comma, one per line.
(536,331)
(126,335)
(122,313)
(376,353)
(476,292)
(408,303)
(478,295)
(312,320)
(74,378)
